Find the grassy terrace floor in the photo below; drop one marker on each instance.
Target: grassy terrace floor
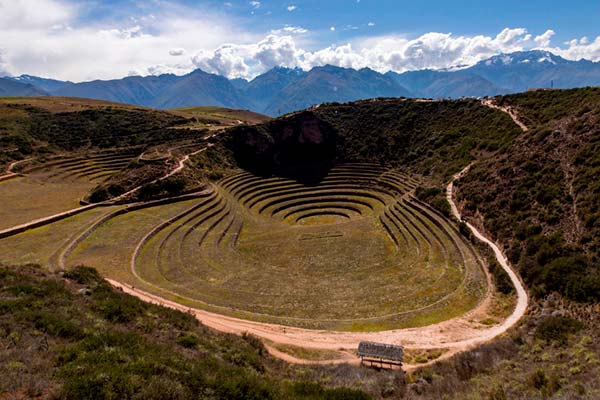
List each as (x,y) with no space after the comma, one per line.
(355,252)
(54,186)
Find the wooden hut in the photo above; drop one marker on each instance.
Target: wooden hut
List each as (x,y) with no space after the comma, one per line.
(380,353)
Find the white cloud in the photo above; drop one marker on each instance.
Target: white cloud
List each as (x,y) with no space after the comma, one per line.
(25,14)
(371,24)
(248,60)
(50,43)
(43,38)
(176,52)
(291,8)
(255,4)
(580,48)
(382,53)
(544,39)
(4,70)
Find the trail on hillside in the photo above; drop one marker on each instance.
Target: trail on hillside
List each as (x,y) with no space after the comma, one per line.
(508,110)
(65,214)
(9,174)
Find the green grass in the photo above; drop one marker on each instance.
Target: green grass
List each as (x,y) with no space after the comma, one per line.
(28,198)
(109,247)
(330,266)
(223,116)
(305,353)
(60,343)
(43,245)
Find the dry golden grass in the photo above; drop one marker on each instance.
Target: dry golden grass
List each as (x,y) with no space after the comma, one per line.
(319,272)
(28,198)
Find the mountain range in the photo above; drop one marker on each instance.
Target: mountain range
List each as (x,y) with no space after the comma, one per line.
(281,90)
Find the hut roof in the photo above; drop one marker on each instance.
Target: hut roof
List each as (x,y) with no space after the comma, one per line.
(381,350)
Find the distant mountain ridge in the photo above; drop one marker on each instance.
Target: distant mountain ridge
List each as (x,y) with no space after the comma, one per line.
(13,88)
(281,90)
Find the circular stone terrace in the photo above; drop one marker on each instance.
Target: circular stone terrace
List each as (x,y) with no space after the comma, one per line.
(355,252)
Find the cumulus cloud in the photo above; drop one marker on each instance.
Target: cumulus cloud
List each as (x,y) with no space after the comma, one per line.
(26,14)
(580,48)
(43,38)
(235,61)
(382,53)
(4,70)
(544,39)
(291,8)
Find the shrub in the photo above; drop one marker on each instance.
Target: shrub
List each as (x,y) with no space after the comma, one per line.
(83,275)
(538,379)
(570,276)
(557,328)
(188,341)
(501,278)
(435,197)
(311,390)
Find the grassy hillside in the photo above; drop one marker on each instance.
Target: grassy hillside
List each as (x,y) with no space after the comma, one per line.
(74,337)
(219,117)
(434,139)
(39,126)
(537,192)
(540,196)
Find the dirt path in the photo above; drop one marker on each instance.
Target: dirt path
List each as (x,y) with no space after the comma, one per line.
(508,110)
(9,174)
(177,169)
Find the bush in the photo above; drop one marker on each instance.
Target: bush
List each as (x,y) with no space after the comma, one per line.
(188,341)
(436,197)
(310,390)
(83,275)
(557,329)
(501,278)
(570,276)
(115,307)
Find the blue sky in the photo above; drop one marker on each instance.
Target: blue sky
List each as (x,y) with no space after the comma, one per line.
(89,39)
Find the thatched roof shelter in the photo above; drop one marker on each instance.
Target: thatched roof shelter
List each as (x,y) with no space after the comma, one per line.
(383,351)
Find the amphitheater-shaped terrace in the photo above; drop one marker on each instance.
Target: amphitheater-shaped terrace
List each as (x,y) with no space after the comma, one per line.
(355,251)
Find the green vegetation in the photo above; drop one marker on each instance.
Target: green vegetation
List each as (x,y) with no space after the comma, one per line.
(547,357)
(557,328)
(41,126)
(540,195)
(347,230)
(80,339)
(436,197)
(219,117)
(434,139)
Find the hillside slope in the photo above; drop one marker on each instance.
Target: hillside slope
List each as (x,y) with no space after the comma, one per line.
(537,191)
(541,195)
(9,87)
(86,340)
(434,139)
(46,125)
